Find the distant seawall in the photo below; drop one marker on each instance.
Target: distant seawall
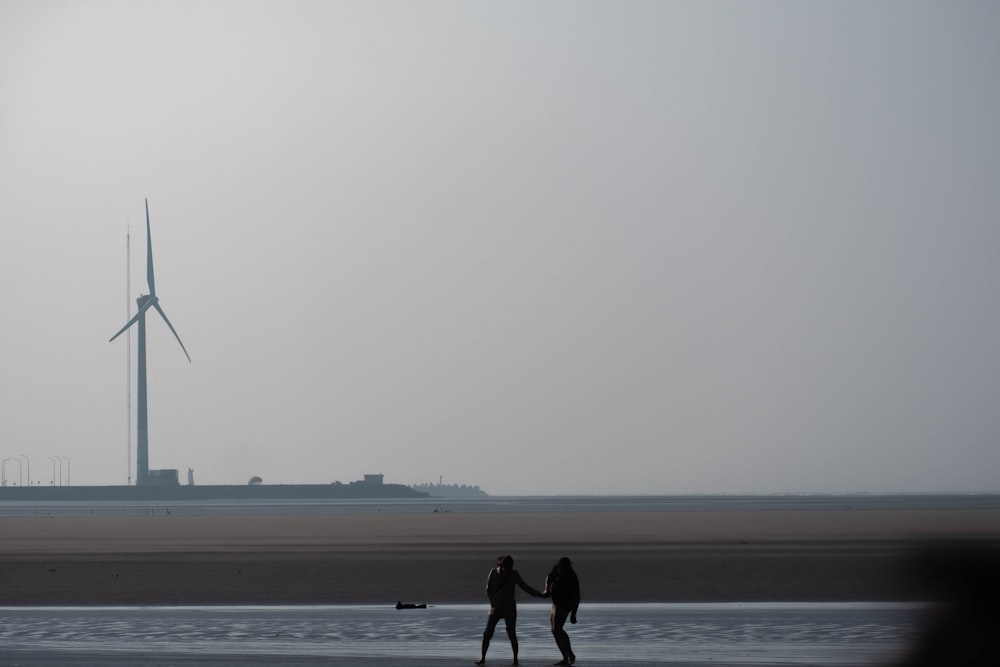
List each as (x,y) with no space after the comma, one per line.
(219,492)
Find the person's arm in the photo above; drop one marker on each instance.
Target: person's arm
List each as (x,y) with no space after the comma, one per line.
(491,593)
(576,598)
(523,584)
(550,583)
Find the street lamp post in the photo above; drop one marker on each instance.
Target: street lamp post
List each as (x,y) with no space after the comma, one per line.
(67,469)
(20,470)
(53,459)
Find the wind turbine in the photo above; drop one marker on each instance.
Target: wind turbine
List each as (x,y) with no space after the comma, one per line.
(145,302)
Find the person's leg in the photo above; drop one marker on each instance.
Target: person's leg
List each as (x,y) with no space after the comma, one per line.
(491,624)
(570,656)
(511,620)
(557,619)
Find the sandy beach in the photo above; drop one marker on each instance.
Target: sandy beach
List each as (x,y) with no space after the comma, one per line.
(653,556)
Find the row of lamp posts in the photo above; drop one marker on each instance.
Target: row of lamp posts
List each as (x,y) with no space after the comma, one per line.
(24,466)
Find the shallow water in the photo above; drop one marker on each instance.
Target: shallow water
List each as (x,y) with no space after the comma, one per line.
(690,634)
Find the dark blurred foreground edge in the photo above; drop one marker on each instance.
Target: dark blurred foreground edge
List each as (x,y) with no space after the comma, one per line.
(962,580)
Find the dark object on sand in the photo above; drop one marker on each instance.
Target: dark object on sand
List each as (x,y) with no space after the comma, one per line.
(409,605)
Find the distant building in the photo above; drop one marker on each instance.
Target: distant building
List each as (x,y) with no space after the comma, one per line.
(164,477)
(375,479)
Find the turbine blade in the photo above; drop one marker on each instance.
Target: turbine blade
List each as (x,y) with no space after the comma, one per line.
(132,321)
(149,256)
(164,316)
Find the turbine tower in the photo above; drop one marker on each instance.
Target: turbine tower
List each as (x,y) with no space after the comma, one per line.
(145,302)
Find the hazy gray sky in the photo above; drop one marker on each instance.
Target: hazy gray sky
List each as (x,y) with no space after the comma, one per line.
(541,247)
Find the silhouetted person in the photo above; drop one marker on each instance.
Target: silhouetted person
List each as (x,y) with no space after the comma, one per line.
(563,586)
(500,591)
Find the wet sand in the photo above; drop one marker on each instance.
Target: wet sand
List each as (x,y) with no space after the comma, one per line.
(654,556)
(124,659)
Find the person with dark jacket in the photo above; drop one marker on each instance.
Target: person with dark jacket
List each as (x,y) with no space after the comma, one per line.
(500,587)
(563,586)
